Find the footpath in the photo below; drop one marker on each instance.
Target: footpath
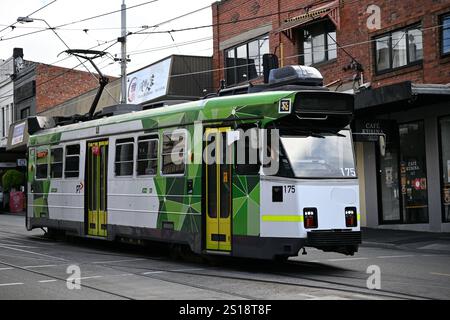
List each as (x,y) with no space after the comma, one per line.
(407,240)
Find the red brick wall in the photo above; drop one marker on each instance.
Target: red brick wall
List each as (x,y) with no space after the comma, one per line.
(353,30)
(69,85)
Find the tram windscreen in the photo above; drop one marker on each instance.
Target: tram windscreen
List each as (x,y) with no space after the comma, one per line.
(321,155)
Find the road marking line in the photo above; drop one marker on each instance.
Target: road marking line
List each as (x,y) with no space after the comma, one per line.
(440,274)
(47,281)
(188,269)
(347,259)
(26,251)
(17,245)
(404,256)
(4,269)
(153,272)
(116,261)
(11,284)
(85,278)
(43,266)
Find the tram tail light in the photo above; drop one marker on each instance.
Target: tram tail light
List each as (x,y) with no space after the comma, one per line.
(310,218)
(351,219)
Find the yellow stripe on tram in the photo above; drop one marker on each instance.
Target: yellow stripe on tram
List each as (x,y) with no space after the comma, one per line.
(294,218)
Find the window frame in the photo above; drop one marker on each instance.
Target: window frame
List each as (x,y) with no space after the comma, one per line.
(235,66)
(120,142)
(36,163)
(408,64)
(325,27)
(162,154)
(441,166)
(147,138)
(52,163)
(441,35)
(66,155)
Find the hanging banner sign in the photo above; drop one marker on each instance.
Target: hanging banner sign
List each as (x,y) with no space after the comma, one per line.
(149,83)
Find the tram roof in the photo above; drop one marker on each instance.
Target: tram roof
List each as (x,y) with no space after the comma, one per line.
(215,107)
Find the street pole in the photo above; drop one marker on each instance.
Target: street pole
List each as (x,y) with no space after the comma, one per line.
(124,53)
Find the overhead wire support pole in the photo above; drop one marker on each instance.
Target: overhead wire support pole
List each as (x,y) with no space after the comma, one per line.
(123,62)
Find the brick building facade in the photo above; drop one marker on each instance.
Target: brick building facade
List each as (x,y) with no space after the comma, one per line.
(395,57)
(239,21)
(38,87)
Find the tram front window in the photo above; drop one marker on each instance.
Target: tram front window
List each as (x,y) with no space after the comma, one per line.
(320,155)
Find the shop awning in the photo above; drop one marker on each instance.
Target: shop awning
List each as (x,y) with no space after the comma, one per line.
(400,97)
(330,10)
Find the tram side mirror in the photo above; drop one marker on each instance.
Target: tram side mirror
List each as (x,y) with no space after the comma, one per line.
(382,141)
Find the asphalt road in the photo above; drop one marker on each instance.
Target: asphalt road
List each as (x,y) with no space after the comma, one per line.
(34,267)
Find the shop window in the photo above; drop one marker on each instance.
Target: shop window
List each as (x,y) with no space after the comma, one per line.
(445,164)
(403,185)
(56,163)
(398,49)
(72,169)
(124,157)
(147,161)
(318,44)
(245,61)
(173,152)
(413,173)
(445,35)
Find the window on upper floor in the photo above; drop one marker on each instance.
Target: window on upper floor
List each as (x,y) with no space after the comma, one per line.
(318,43)
(398,49)
(245,61)
(445,35)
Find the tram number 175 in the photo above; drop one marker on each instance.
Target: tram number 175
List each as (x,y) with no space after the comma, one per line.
(289,189)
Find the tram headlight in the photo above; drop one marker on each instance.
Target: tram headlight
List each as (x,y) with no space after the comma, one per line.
(310,218)
(351,219)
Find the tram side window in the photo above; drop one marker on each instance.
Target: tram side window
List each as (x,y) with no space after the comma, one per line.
(42,163)
(124,157)
(147,162)
(247,153)
(173,152)
(56,163)
(72,169)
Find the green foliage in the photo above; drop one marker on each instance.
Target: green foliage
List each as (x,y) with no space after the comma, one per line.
(12,179)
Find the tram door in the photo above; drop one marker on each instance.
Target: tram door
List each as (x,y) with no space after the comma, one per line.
(97,168)
(218,190)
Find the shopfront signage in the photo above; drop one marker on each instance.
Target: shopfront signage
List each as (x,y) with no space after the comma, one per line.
(18,133)
(371,130)
(149,83)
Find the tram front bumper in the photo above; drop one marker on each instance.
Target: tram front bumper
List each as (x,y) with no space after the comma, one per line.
(342,241)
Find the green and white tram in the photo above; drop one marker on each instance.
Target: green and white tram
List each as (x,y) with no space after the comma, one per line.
(143,175)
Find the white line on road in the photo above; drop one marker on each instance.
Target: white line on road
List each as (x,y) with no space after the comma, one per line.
(183,270)
(347,259)
(4,269)
(16,245)
(26,251)
(440,274)
(85,278)
(10,284)
(47,281)
(403,256)
(43,266)
(153,272)
(117,261)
